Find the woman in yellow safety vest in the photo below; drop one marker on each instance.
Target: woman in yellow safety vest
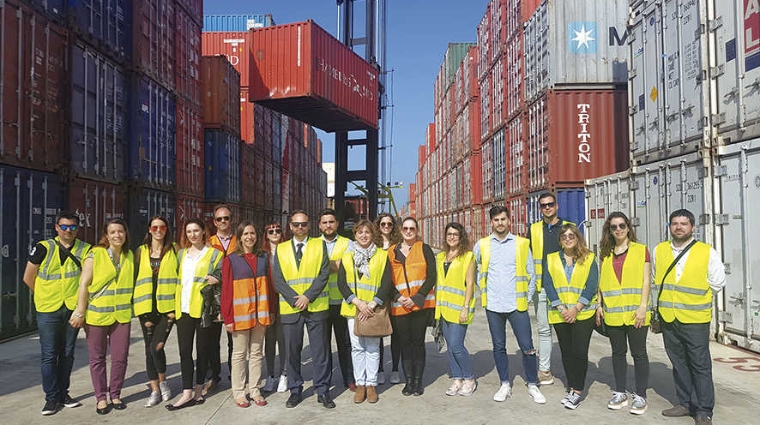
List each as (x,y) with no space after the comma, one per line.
(274,336)
(414,277)
(455,305)
(624,306)
(388,234)
(247,312)
(105,306)
(571,278)
(364,281)
(155,286)
(198,261)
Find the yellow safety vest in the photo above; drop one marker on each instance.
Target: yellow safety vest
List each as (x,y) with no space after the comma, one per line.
(110,298)
(537,245)
(569,293)
(206,266)
(57,284)
(301,278)
(451,288)
(689,300)
(168,278)
(332,282)
(521,266)
(620,299)
(366,288)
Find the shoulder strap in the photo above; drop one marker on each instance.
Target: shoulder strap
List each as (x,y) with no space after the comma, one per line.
(69,254)
(673,264)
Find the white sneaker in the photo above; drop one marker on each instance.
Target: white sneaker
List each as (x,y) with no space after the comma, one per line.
(535,394)
(573,400)
(154,399)
(283,385)
(395,377)
(456,385)
(618,401)
(166,391)
(380,378)
(505,390)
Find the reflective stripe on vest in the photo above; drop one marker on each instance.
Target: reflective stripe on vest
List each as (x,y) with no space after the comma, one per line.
(300,278)
(366,288)
(416,272)
(570,292)
(451,288)
(57,284)
(167,283)
(114,303)
(522,279)
(620,299)
(332,282)
(690,298)
(250,294)
(205,266)
(537,245)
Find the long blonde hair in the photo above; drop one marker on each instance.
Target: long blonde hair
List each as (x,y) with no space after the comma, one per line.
(580,252)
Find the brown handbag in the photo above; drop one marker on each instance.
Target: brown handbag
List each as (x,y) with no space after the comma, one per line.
(378,325)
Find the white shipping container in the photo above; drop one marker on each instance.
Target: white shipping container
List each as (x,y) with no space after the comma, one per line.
(576,42)
(499,167)
(605,195)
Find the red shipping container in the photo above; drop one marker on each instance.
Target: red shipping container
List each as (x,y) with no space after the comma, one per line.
(304,72)
(517,152)
(187,207)
(574,135)
(518,209)
(193,8)
(236,46)
(514,75)
(430,138)
(34,80)
(248,170)
(188,55)
(475,186)
(470,75)
(189,140)
(421,156)
(498,36)
(153,40)
(221,94)
(247,118)
(96,203)
(484,44)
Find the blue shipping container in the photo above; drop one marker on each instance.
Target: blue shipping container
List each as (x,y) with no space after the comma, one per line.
(52,8)
(144,204)
(28,207)
(105,23)
(572,206)
(152,141)
(222,159)
(228,23)
(99,99)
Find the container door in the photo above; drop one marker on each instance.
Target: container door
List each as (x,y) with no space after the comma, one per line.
(690,187)
(651,212)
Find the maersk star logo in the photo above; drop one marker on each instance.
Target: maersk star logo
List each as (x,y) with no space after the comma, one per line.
(582,37)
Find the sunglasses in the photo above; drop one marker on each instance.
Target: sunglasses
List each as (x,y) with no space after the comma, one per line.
(569,237)
(409,229)
(67,227)
(222,218)
(386,224)
(299,223)
(621,226)
(274,231)
(157,228)
(547,205)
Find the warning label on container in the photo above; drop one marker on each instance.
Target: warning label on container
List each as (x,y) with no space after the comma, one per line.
(653,94)
(752,33)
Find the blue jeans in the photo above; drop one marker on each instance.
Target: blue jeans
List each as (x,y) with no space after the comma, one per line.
(520,322)
(459,357)
(57,341)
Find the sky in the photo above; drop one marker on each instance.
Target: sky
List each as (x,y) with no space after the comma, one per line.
(418,32)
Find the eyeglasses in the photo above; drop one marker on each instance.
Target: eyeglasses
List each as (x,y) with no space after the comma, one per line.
(299,223)
(621,226)
(222,218)
(385,224)
(67,227)
(452,235)
(568,237)
(547,205)
(274,231)
(157,228)
(408,229)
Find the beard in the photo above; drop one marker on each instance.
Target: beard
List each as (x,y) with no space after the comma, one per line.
(681,239)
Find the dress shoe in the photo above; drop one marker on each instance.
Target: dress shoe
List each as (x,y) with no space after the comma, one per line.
(119,406)
(361,394)
(104,410)
(170,407)
(326,401)
(372,396)
(294,400)
(676,411)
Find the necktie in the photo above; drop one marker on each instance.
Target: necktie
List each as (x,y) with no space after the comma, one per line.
(299,253)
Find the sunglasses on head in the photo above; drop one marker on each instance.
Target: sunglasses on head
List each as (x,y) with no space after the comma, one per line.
(548,205)
(299,223)
(275,230)
(222,218)
(621,226)
(67,227)
(157,228)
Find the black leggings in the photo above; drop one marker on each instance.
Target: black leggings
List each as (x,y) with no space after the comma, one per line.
(157,333)
(395,352)
(411,331)
(187,329)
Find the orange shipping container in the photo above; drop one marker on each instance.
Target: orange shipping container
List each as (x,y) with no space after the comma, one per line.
(247,118)
(221,94)
(236,46)
(304,72)
(475,185)
(153,34)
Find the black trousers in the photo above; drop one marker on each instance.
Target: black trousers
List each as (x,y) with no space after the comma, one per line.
(339,325)
(688,347)
(188,329)
(157,333)
(411,331)
(319,335)
(621,338)
(274,337)
(573,343)
(212,335)
(395,352)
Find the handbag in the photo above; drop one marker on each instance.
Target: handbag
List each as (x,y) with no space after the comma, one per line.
(655,322)
(378,325)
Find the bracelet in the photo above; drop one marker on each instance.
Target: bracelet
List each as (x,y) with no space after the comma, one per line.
(78,315)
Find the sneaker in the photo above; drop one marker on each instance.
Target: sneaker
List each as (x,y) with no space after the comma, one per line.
(454,388)
(282,386)
(573,400)
(270,386)
(505,390)
(154,399)
(535,394)
(166,391)
(618,401)
(565,398)
(395,377)
(545,377)
(70,402)
(468,387)
(380,378)
(639,405)
(49,408)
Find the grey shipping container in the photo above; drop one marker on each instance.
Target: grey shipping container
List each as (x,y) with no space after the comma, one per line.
(605,195)
(576,42)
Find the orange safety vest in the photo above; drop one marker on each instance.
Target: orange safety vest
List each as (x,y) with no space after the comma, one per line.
(250,293)
(409,277)
(216,243)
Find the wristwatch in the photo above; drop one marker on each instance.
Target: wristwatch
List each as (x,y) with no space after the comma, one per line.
(78,315)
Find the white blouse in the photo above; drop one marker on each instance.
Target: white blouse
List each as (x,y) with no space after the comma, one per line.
(189,263)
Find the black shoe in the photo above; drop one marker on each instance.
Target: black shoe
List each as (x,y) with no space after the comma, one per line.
(50,408)
(69,402)
(418,388)
(326,401)
(408,388)
(119,406)
(170,407)
(294,400)
(104,411)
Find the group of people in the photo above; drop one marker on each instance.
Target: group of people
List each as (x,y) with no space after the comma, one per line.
(265,294)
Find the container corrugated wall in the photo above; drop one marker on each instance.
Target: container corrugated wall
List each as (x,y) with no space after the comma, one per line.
(95,203)
(153,37)
(189,150)
(104,24)
(222,158)
(227,23)
(221,94)
(605,195)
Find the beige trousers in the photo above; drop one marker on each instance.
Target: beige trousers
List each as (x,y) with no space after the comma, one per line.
(247,345)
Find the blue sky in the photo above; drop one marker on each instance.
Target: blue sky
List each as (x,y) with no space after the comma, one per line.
(417,36)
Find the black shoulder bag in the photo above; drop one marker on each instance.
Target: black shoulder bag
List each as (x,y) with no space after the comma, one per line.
(655,323)
(69,254)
